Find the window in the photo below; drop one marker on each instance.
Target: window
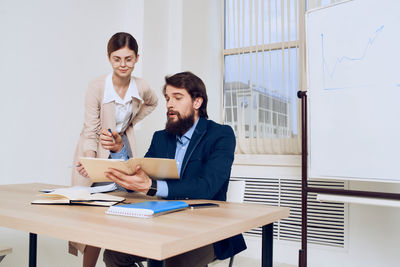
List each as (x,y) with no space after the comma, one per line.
(261,78)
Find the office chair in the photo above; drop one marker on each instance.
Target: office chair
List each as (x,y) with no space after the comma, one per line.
(4,251)
(235,194)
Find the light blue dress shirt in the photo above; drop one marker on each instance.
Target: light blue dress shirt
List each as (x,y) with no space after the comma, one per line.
(182,143)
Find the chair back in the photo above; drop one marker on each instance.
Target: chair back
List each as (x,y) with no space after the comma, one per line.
(235,191)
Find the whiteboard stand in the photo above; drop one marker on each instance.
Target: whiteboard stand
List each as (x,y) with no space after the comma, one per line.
(305,189)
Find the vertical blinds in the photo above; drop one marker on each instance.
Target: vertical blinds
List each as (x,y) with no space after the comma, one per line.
(262,56)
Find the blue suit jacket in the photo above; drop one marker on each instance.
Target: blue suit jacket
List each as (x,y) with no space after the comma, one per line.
(205,171)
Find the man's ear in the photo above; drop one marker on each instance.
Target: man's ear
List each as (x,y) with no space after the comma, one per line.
(197,102)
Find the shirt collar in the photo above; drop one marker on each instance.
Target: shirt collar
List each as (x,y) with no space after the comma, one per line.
(189,133)
(111,95)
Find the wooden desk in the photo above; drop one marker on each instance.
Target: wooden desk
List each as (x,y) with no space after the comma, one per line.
(157,238)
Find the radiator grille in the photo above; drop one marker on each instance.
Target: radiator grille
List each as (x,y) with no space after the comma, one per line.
(326,221)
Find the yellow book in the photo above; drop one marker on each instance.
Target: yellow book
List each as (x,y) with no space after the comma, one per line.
(156,168)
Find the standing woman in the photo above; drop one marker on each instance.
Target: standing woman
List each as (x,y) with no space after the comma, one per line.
(116,101)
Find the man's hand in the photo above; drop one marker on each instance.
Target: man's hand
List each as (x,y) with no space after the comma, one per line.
(112,142)
(139,182)
(81,170)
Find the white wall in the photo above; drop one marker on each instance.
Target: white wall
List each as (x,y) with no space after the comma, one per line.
(202,48)
(51,50)
(180,36)
(161,56)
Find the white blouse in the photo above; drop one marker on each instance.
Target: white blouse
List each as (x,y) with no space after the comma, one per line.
(123,107)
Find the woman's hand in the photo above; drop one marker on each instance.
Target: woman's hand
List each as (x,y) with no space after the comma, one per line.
(111,141)
(79,167)
(81,170)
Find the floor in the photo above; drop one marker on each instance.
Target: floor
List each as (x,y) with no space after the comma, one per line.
(241,262)
(245,262)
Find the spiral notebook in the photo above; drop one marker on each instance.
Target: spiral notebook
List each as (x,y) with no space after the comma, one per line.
(147,209)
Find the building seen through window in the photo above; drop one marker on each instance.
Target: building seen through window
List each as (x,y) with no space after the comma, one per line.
(257,111)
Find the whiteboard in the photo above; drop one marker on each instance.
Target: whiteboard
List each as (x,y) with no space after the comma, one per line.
(353,68)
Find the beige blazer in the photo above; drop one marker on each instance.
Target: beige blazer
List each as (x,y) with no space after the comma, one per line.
(102,116)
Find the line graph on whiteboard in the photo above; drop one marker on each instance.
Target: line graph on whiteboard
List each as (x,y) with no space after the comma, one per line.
(346,71)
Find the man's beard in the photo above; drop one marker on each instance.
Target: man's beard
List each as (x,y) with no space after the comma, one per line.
(181,126)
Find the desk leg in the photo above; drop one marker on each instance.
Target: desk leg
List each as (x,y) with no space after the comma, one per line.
(32,249)
(267,245)
(155,263)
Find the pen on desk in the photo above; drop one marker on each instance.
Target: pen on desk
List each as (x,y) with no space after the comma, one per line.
(109,130)
(203,205)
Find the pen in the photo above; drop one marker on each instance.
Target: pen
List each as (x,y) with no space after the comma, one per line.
(202,205)
(109,130)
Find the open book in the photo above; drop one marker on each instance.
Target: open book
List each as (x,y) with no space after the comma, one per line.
(77,196)
(156,168)
(92,189)
(147,209)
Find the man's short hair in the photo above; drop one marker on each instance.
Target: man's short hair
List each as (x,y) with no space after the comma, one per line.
(193,85)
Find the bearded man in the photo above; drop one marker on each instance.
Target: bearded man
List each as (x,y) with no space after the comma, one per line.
(204,153)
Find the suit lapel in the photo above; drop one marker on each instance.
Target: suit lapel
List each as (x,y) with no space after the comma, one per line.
(109,116)
(171,146)
(198,134)
(136,103)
